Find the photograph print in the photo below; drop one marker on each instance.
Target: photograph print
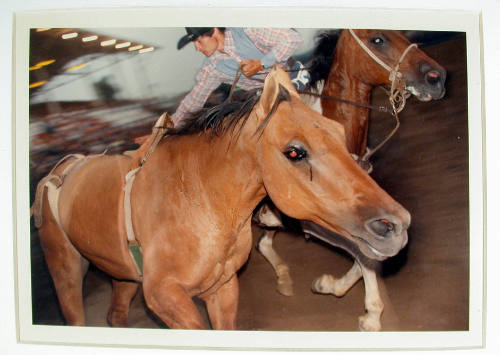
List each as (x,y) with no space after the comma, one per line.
(278,180)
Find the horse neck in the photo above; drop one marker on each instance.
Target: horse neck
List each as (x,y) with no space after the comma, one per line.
(224,172)
(341,83)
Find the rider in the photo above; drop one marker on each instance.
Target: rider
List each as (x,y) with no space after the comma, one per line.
(253,50)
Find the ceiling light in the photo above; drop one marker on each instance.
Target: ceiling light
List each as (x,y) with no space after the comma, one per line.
(89,38)
(74,67)
(145,50)
(134,48)
(42,64)
(69,35)
(109,42)
(46,62)
(123,45)
(38,83)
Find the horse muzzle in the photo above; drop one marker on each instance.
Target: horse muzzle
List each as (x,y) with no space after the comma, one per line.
(383,237)
(428,84)
(378,238)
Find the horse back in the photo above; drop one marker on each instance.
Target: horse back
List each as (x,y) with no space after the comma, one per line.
(90,213)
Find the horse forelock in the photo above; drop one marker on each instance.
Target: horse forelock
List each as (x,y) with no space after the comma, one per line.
(322,57)
(218,120)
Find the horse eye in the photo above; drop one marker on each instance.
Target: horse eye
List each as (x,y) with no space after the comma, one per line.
(377,40)
(295,153)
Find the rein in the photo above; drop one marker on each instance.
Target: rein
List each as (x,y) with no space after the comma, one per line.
(383,109)
(370,107)
(233,86)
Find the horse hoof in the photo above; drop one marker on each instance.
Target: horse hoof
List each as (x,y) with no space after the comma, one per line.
(284,283)
(323,284)
(286,289)
(117,319)
(367,324)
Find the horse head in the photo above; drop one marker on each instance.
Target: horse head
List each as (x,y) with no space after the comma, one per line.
(309,174)
(372,54)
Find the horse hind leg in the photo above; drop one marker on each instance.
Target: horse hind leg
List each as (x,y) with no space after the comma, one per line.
(265,247)
(328,284)
(67,268)
(122,294)
(374,306)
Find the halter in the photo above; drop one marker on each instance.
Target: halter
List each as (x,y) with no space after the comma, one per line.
(398,93)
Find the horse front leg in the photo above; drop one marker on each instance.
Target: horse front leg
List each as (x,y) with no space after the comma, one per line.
(170,301)
(265,247)
(268,217)
(222,306)
(328,284)
(123,293)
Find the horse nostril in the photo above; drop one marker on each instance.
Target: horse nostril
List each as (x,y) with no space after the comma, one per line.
(381,227)
(433,77)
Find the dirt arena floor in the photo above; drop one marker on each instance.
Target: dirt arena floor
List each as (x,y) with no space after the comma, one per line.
(424,288)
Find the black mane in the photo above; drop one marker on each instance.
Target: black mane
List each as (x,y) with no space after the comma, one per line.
(322,56)
(217,120)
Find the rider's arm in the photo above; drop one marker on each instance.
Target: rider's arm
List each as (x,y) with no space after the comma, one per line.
(207,80)
(282,42)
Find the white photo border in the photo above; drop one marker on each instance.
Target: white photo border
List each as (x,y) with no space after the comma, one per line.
(320,17)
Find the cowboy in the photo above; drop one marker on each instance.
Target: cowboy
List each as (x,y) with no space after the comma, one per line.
(253,50)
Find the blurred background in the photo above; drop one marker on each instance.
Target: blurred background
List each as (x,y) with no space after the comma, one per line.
(97,89)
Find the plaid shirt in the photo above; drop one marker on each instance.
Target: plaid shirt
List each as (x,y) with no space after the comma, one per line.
(275,46)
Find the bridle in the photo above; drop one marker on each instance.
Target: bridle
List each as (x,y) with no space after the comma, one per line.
(397,94)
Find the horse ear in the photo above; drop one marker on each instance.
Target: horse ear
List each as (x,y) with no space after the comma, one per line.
(271,89)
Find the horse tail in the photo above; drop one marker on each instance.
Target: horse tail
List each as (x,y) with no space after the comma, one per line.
(57,180)
(322,57)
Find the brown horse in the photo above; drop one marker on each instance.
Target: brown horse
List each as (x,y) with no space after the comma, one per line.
(362,60)
(191,206)
(348,66)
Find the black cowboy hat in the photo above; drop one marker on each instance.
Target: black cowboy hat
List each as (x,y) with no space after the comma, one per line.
(192,34)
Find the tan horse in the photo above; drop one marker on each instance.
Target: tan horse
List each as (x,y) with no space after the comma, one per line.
(348,67)
(192,203)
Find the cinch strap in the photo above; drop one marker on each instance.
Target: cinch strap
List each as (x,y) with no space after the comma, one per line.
(133,247)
